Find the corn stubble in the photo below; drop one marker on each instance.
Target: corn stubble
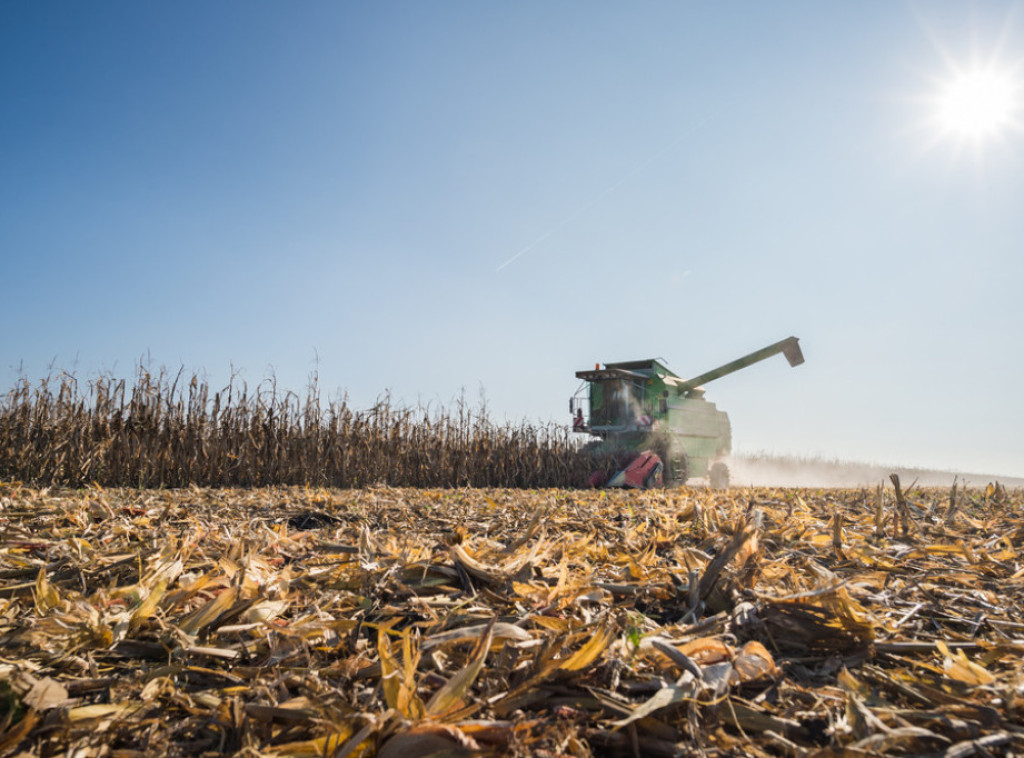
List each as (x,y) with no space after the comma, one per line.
(482,622)
(173,431)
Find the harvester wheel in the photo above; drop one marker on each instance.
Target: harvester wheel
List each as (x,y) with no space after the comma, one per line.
(673,460)
(719,476)
(676,469)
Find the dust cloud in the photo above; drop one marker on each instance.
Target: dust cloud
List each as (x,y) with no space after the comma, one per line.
(780,471)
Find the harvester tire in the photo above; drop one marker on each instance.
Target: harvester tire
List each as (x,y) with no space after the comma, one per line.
(679,468)
(675,469)
(719,476)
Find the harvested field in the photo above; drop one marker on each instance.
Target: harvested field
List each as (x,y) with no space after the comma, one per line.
(415,622)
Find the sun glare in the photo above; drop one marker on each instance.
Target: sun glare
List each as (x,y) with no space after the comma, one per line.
(978,104)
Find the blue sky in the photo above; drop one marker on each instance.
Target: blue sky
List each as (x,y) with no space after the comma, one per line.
(431,197)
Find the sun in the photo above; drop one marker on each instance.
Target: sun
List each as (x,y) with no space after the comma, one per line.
(978,104)
(969,94)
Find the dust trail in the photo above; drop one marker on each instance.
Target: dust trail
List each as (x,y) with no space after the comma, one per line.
(769,470)
(607,191)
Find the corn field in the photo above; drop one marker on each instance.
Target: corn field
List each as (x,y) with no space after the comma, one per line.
(168,430)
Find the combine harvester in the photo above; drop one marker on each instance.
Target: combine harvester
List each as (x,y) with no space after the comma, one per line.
(656,428)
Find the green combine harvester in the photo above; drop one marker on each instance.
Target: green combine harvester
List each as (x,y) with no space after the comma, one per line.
(654,427)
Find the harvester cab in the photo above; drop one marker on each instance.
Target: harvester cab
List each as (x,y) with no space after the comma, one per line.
(652,427)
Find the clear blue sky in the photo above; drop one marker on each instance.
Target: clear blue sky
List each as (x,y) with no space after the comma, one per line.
(425,197)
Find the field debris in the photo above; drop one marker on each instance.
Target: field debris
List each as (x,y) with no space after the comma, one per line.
(484,622)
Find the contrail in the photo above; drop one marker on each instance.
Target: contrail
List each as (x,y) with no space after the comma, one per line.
(601,196)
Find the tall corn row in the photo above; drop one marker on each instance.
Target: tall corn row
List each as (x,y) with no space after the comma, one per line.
(172,431)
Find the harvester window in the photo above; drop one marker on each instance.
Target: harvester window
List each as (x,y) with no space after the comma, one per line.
(616,402)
